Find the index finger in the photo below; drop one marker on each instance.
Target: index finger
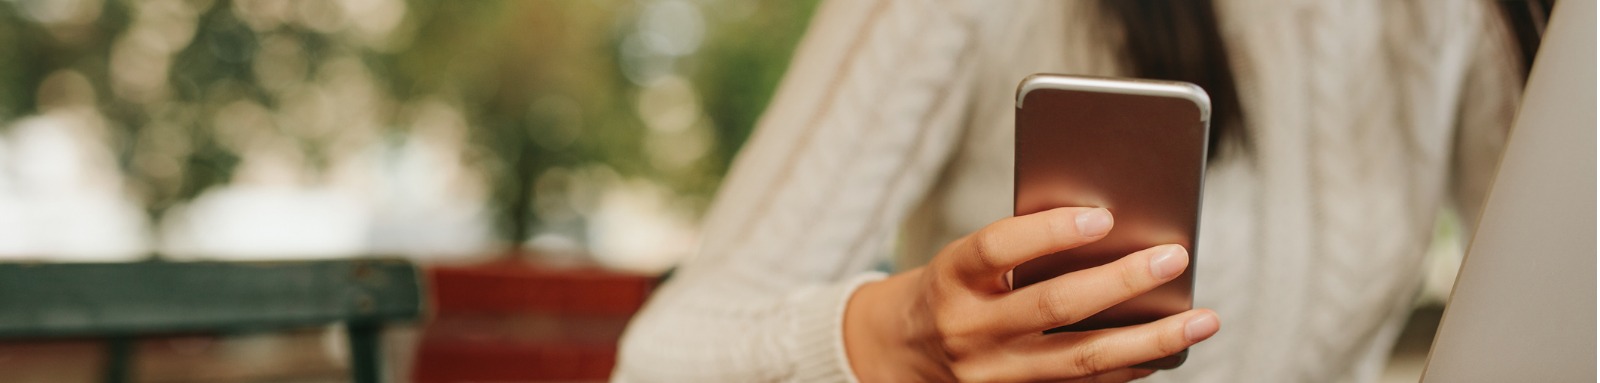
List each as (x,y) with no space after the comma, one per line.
(982,259)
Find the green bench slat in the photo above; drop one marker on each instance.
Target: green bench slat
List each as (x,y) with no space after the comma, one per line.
(42,300)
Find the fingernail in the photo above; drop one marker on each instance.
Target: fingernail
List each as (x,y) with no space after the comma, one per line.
(1200,327)
(1169,263)
(1094,223)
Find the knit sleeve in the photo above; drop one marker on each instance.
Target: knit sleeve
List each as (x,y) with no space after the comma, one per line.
(1489,97)
(866,116)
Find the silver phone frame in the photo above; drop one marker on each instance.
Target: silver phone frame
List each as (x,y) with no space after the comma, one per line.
(1140,87)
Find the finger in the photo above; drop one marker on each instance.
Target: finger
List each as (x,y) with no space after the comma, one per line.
(1115,376)
(1086,353)
(982,258)
(1069,298)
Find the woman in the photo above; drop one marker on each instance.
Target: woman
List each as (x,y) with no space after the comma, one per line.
(891,137)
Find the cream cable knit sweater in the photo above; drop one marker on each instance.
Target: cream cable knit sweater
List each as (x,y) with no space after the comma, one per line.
(895,119)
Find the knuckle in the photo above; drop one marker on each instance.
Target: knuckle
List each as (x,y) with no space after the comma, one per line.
(1063,226)
(1171,341)
(983,249)
(1089,360)
(1135,275)
(1055,307)
(954,351)
(957,338)
(944,330)
(951,334)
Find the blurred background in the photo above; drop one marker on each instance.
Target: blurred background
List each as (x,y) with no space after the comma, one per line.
(564,139)
(436,130)
(503,145)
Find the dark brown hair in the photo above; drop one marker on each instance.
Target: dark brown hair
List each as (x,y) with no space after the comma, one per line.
(1181,40)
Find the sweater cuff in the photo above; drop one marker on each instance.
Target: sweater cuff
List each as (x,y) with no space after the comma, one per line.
(817,343)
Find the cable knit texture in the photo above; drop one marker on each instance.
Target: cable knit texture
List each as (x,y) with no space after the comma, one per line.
(891,136)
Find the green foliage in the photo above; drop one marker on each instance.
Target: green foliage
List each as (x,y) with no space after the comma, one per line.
(540,84)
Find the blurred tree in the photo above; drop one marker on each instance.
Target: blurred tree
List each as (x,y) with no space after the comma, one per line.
(189,86)
(742,65)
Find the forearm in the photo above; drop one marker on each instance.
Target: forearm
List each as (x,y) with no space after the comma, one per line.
(695,330)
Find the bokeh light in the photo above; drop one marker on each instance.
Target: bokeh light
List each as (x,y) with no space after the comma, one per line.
(270,129)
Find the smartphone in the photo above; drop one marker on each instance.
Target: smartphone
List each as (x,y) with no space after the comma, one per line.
(1135,147)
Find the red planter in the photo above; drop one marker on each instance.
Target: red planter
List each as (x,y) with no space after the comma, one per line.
(523,321)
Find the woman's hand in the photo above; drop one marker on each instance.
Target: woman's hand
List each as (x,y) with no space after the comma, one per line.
(956,319)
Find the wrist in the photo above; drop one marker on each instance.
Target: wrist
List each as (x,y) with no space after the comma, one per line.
(880,324)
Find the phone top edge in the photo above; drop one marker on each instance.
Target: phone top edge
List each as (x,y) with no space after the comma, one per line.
(1174,89)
